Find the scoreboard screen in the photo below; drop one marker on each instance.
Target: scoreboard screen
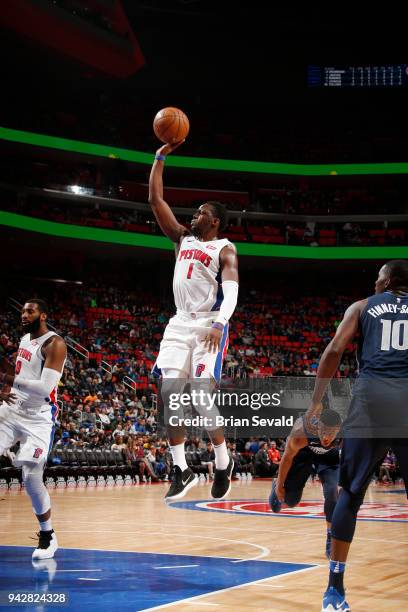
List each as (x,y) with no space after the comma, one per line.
(391,75)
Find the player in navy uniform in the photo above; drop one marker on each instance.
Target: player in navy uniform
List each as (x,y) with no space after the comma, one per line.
(378,415)
(310,446)
(195,341)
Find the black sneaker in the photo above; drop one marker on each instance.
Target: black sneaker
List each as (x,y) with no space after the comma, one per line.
(181,483)
(47,545)
(222,481)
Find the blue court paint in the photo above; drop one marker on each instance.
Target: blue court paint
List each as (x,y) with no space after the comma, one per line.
(127,581)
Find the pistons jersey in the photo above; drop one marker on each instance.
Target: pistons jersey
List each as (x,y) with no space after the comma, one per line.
(29,365)
(197,275)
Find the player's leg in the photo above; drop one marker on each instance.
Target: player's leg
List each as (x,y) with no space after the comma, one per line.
(173,383)
(205,405)
(329,477)
(206,373)
(359,458)
(174,362)
(35,444)
(41,503)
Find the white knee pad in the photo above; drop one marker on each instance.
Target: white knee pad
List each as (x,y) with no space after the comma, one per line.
(36,490)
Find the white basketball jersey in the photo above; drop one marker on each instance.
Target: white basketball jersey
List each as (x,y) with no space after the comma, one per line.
(197,275)
(29,365)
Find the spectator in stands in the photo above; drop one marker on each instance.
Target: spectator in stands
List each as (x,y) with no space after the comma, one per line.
(388,468)
(262,464)
(274,454)
(239,464)
(207,458)
(119,430)
(134,454)
(163,457)
(66,441)
(119,443)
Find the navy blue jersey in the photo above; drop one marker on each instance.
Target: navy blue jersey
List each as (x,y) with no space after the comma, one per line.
(315,450)
(383,343)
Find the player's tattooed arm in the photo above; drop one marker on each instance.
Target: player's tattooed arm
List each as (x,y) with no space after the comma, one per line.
(295,441)
(161,210)
(331,357)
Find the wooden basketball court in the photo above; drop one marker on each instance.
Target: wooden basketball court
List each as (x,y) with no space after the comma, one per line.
(242,534)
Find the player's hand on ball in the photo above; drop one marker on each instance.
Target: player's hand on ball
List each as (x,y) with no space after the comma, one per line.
(9,398)
(212,340)
(169,147)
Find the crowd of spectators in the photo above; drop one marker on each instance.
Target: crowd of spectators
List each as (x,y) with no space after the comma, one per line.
(107,392)
(108,399)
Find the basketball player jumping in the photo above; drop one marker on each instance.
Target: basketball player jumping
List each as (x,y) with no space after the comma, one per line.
(311,445)
(195,341)
(378,406)
(29,418)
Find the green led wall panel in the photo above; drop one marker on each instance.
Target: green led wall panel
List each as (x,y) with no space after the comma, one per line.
(159,242)
(201,163)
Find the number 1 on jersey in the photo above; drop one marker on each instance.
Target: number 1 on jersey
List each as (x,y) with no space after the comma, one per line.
(190,270)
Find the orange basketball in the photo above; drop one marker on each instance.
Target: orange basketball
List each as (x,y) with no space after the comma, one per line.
(171,125)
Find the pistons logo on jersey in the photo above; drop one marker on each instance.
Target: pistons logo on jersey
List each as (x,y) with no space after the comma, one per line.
(200,369)
(37,453)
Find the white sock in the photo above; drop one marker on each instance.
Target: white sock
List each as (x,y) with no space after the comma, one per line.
(179,456)
(221,456)
(46,525)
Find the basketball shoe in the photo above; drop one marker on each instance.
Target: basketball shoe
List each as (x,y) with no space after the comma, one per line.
(181,483)
(333,601)
(222,481)
(47,545)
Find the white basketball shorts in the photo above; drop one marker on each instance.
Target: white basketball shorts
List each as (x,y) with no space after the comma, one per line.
(33,429)
(182,347)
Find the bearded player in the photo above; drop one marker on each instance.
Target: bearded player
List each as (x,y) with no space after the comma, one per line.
(195,341)
(28,414)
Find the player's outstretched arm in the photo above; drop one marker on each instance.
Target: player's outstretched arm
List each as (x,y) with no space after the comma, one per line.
(331,357)
(161,210)
(295,441)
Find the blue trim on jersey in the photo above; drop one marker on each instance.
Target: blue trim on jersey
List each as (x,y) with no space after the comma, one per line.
(156,371)
(54,410)
(220,293)
(218,362)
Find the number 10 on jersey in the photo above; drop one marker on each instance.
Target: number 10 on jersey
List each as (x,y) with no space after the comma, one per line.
(394,334)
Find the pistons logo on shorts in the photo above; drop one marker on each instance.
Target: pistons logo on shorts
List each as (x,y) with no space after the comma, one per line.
(37,453)
(200,369)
